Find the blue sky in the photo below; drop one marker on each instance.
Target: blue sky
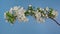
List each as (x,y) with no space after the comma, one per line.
(31,27)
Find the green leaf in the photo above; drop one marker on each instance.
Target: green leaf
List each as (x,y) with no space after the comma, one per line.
(26,13)
(10,17)
(32,13)
(51,15)
(51,10)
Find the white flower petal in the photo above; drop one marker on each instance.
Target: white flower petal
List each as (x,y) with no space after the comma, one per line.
(38,17)
(30,5)
(47,9)
(55,13)
(10,11)
(46,16)
(16,7)
(4,15)
(20,15)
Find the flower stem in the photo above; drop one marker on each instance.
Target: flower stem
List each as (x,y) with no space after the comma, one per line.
(54,20)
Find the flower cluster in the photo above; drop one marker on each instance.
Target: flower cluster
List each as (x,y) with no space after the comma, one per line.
(21,14)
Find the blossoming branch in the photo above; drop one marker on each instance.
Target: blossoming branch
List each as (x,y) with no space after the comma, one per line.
(21,14)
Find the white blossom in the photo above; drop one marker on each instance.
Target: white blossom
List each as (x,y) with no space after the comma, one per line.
(19,12)
(4,15)
(30,5)
(16,7)
(55,13)
(10,11)
(40,9)
(38,17)
(46,16)
(29,11)
(47,9)
(20,15)
(43,15)
(37,14)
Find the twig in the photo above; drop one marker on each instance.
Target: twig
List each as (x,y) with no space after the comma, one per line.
(54,20)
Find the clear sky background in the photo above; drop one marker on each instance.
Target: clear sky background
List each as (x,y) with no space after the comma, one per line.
(31,27)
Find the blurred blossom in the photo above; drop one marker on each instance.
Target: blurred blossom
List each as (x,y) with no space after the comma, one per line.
(4,15)
(20,15)
(47,9)
(30,5)
(16,7)
(10,11)
(19,12)
(46,16)
(55,13)
(38,17)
